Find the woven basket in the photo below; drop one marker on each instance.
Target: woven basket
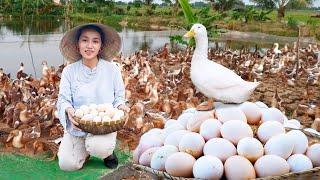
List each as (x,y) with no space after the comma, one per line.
(98,128)
(312,174)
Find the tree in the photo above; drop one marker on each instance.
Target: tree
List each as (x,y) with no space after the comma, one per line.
(280,5)
(225,5)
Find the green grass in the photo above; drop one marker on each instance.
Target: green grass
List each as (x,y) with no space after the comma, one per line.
(13,166)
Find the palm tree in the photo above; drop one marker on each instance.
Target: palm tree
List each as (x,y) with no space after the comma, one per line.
(224,5)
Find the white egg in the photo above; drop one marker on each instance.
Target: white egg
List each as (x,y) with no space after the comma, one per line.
(106,119)
(313,152)
(192,143)
(313,131)
(269,129)
(79,113)
(159,133)
(180,164)
(250,148)
(145,158)
(172,129)
(111,111)
(108,105)
(94,112)
(300,141)
(118,114)
(159,157)
(234,130)
(87,117)
(252,112)
(197,119)
(93,107)
(185,116)
(280,145)
(97,119)
(238,167)
(175,137)
(271,165)
(293,123)
(101,114)
(101,108)
(272,114)
(299,162)
(208,167)
(220,148)
(261,105)
(230,113)
(210,129)
(170,122)
(85,109)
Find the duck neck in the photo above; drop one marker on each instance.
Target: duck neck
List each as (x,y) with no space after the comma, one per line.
(201,46)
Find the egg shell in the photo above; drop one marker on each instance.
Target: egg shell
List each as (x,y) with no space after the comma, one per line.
(299,162)
(269,129)
(154,132)
(230,113)
(271,165)
(234,130)
(87,117)
(175,137)
(93,107)
(106,118)
(185,116)
(218,105)
(220,148)
(180,164)
(300,141)
(261,105)
(280,145)
(171,129)
(192,143)
(94,112)
(110,112)
(197,119)
(97,119)
(159,158)
(210,128)
(250,148)
(145,144)
(101,108)
(252,111)
(272,114)
(145,158)
(118,114)
(170,122)
(292,123)
(238,167)
(101,114)
(79,113)
(313,152)
(208,167)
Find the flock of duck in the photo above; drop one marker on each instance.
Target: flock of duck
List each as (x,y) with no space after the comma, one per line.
(159,86)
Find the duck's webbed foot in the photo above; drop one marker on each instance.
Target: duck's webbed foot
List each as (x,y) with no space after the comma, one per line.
(205,106)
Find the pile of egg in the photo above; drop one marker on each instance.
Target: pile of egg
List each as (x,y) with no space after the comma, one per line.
(99,114)
(210,146)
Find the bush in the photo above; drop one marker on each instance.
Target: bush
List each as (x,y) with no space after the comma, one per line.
(119,11)
(128,8)
(292,23)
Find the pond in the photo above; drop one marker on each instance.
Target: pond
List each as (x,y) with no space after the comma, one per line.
(32,41)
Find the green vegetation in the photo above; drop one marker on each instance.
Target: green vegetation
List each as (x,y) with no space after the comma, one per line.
(144,15)
(21,167)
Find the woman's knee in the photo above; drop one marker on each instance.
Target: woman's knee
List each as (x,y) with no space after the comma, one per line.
(68,164)
(101,146)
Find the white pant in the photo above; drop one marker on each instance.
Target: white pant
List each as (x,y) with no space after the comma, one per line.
(73,150)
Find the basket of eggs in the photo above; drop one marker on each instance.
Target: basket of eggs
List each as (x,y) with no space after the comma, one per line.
(100,119)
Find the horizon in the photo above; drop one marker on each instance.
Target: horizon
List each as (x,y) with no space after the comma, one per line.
(316,3)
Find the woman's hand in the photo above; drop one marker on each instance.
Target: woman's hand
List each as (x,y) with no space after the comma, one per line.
(124,108)
(70,111)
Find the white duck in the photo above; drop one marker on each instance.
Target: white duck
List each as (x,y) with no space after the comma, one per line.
(212,79)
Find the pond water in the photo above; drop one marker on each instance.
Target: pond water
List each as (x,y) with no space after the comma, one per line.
(33,41)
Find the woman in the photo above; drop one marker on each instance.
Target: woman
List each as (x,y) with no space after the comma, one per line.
(90,78)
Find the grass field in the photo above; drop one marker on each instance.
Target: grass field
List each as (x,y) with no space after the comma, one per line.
(13,166)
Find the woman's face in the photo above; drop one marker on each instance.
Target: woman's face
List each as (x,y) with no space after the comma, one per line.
(89,44)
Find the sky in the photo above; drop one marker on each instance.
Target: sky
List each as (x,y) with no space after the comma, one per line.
(315,4)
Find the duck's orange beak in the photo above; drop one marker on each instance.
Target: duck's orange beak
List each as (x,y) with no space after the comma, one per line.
(189,34)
